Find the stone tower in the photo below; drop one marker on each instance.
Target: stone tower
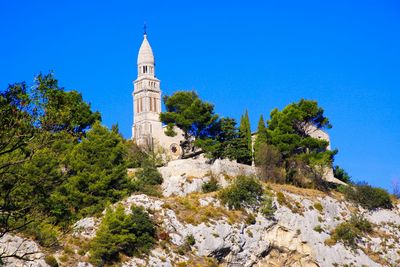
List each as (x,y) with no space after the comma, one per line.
(146,99)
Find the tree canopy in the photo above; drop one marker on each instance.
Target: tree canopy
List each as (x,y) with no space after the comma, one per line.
(245,135)
(56,160)
(288,129)
(204,131)
(228,142)
(286,150)
(193,116)
(60,110)
(262,135)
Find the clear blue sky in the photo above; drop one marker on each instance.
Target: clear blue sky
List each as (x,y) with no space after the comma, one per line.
(254,55)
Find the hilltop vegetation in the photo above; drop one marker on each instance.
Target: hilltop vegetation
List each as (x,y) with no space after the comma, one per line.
(59,164)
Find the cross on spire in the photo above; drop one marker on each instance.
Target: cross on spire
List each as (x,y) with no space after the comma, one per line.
(145,29)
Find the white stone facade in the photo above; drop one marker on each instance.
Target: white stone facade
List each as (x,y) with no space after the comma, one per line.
(314,132)
(147,129)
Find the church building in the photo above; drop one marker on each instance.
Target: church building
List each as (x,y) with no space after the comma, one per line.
(147,129)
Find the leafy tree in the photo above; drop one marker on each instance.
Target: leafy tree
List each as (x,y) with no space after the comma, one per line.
(46,158)
(98,175)
(288,129)
(228,143)
(227,139)
(203,131)
(130,234)
(62,120)
(61,110)
(16,133)
(305,158)
(261,135)
(245,135)
(270,163)
(38,128)
(194,117)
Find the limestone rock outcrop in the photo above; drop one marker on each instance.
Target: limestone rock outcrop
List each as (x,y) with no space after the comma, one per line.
(27,252)
(185,176)
(295,235)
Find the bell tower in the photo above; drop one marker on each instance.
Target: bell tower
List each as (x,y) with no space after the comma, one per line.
(146,98)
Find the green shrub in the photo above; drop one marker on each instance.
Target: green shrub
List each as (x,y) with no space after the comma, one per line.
(280,197)
(318,206)
(130,234)
(368,197)
(147,179)
(151,190)
(149,174)
(44,233)
(342,188)
(190,240)
(267,207)
(318,229)
(361,223)
(210,186)
(51,261)
(341,174)
(348,232)
(245,191)
(250,219)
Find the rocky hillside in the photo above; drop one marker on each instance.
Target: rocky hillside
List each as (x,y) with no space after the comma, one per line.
(195,229)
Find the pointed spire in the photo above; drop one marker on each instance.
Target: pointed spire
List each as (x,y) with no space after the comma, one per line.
(145,55)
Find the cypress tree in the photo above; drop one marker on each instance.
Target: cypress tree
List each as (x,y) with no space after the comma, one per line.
(261,135)
(245,135)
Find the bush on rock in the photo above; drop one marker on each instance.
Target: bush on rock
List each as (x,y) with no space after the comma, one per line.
(245,191)
(130,234)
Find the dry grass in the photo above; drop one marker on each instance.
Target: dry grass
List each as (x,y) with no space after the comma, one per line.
(381,234)
(329,242)
(74,250)
(306,192)
(375,256)
(189,210)
(198,262)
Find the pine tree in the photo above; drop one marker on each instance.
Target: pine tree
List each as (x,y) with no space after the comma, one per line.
(261,135)
(98,175)
(245,135)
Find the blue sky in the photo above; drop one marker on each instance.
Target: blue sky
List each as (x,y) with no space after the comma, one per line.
(254,55)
